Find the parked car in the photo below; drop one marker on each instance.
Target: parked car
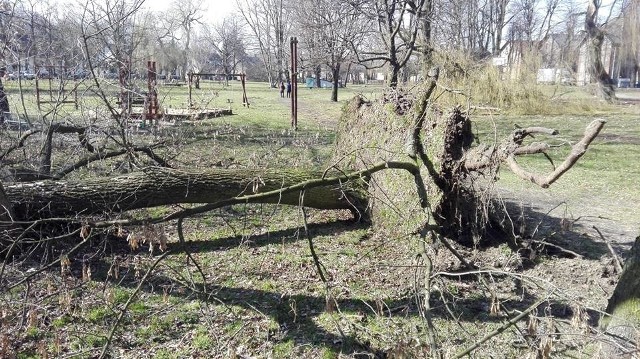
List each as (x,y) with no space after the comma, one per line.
(11,76)
(78,74)
(27,75)
(44,74)
(81,74)
(13,122)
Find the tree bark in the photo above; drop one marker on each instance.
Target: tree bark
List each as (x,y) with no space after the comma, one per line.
(336,82)
(595,38)
(156,186)
(624,305)
(318,72)
(6,212)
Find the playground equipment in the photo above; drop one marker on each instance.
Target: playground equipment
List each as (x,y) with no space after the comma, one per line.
(151,105)
(146,101)
(193,75)
(62,96)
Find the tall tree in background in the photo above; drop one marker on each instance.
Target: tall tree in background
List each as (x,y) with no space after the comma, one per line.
(398,24)
(186,14)
(472,27)
(594,40)
(570,25)
(498,13)
(269,21)
(631,41)
(167,49)
(225,39)
(426,29)
(328,28)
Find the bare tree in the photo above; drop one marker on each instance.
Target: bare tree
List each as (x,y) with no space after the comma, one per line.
(226,41)
(184,16)
(328,29)
(630,49)
(570,27)
(398,24)
(473,27)
(594,41)
(498,13)
(269,21)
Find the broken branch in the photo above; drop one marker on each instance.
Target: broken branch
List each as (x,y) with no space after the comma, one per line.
(577,151)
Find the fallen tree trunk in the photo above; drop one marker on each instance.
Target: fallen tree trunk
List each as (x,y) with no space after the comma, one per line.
(156,186)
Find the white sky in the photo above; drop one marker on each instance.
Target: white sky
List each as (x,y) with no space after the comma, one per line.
(215,11)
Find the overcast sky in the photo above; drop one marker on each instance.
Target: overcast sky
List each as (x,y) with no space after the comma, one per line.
(218,9)
(215,12)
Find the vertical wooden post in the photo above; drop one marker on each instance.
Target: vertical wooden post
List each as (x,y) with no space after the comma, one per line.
(190,79)
(245,99)
(37,91)
(152,94)
(51,71)
(294,82)
(125,96)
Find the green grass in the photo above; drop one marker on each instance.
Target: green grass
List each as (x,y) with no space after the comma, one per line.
(266,110)
(263,295)
(99,314)
(202,339)
(605,174)
(284,350)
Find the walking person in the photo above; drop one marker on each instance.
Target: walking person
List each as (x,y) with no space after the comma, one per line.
(282,89)
(288,89)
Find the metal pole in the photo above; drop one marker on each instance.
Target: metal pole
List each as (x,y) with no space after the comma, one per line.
(152,94)
(294,82)
(190,78)
(37,92)
(291,79)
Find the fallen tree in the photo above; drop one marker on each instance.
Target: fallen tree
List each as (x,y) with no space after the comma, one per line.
(431,185)
(400,161)
(157,186)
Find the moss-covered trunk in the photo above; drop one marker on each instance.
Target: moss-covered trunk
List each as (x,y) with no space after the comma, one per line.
(385,130)
(157,186)
(624,305)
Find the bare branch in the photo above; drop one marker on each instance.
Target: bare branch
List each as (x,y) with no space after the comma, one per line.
(20,143)
(533,148)
(577,151)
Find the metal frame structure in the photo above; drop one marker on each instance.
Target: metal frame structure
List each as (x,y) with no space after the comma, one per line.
(245,99)
(61,89)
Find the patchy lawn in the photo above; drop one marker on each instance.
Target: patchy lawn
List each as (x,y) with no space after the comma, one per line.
(245,283)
